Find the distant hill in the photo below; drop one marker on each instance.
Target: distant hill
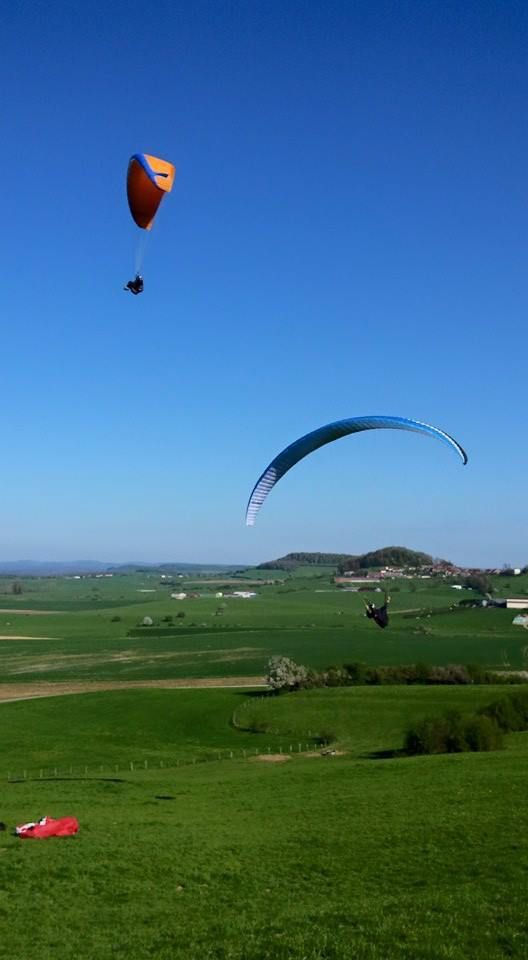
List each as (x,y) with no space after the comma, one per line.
(293,560)
(50,568)
(61,568)
(385,557)
(170,567)
(389,557)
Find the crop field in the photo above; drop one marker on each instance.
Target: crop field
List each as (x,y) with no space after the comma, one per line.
(254,854)
(92,628)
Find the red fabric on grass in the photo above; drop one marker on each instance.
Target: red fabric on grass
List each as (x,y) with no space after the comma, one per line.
(48,827)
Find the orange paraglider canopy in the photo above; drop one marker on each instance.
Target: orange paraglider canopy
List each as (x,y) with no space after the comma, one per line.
(148,180)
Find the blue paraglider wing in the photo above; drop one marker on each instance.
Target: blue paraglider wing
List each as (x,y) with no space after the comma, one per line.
(327,434)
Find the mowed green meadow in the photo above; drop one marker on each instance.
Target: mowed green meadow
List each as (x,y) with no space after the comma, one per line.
(210,824)
(91,628)
(321,858)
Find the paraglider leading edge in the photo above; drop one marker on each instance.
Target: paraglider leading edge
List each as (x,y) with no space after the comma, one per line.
(333,431)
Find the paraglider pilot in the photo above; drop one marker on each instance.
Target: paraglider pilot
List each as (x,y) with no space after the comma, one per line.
(380,615)
(135,286)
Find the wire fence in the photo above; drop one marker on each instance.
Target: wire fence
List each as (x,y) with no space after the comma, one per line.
(118,771)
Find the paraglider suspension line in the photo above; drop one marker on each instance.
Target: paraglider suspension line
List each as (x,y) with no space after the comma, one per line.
(141,250)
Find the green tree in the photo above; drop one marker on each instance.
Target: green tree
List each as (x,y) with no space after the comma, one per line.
(285,674)
(479,582)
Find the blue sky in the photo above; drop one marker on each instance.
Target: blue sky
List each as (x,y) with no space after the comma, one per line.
(346,236)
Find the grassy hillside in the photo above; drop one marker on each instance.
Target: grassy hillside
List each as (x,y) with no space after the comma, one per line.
(120,727)
(117,727)
(321,859)
(357,719)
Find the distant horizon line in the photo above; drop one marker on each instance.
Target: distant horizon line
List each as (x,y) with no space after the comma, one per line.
(89,566)
(119,563)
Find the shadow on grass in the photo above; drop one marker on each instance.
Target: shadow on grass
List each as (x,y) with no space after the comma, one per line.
(255,694)
(383,755)
(67,779)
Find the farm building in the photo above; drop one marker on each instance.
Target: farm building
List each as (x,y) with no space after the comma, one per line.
(517,603)
(340,581)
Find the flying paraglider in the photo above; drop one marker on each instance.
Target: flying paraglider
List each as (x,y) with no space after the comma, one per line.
(380,615)
(148,180)
(333,431)
(135,286)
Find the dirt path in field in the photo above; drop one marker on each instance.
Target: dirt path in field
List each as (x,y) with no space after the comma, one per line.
(30,691)
(17,637)
(271,758)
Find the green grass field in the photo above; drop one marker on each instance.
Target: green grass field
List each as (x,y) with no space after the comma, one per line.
(361,720)
(96,633)
(211,826)
(417,858)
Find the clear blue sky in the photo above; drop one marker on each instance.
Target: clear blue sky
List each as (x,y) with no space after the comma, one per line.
(346,236)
